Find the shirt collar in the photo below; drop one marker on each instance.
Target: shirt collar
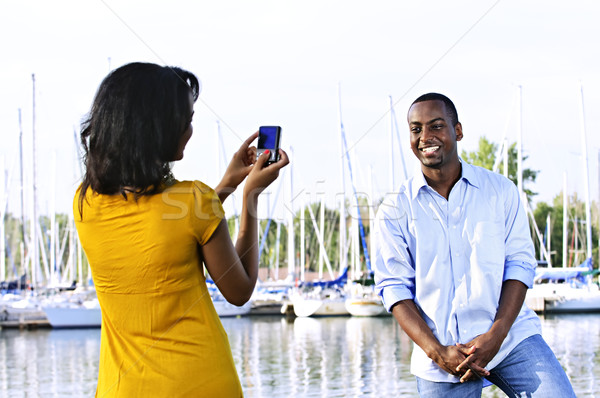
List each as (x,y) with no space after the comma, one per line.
(467,174)
(418,183)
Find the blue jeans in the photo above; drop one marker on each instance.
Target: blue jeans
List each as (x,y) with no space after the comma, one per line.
(530,370)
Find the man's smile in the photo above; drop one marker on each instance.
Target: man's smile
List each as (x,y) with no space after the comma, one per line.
(429,149)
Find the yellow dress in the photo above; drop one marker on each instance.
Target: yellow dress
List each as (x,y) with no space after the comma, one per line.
(161,336)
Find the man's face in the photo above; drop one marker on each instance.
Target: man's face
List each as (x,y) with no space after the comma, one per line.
(432,136)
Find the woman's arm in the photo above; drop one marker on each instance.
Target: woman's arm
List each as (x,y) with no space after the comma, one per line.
(235,269)
(238,169)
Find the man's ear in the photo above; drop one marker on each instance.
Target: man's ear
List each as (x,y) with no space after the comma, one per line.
(458,131)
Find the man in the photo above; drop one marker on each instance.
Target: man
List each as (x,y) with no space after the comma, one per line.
(453,264)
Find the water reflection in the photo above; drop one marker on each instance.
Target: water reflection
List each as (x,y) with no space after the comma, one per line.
(53,363)
(575,340)
(358,357)
(325,357)
(277,357)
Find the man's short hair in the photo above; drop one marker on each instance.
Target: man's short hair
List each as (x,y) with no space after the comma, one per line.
(450,108)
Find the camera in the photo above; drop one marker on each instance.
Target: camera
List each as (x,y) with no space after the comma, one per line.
(269,137)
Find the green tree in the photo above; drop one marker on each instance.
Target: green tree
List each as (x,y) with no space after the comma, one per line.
(576,229)
(312,247)
(14,246)
(17,245)
(485,156)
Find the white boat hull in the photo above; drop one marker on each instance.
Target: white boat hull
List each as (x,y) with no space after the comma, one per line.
(560,297)
(73,317)
(266,307)
(365,307)
(315,307)
(225,309)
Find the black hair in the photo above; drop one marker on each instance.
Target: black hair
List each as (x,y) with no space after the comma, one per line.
(133,130)
(450,108)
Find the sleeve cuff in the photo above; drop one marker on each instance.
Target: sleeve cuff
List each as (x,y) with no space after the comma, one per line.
(521,271)
(392,294)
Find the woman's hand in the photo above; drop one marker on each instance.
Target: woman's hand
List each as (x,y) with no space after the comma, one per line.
(237,170)
(262,175)
(235,270)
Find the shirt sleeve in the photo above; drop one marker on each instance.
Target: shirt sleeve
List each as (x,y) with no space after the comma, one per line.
(207,212)
(520,260)
(393,267)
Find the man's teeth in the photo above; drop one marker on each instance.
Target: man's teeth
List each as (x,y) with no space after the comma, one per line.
(430,149)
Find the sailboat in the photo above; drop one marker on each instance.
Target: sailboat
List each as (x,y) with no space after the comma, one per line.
(568,289)
(565,290)
(364,301)
(223,307)
(76,309)
(321,298)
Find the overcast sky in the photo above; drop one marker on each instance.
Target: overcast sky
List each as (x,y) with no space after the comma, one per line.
(280,62)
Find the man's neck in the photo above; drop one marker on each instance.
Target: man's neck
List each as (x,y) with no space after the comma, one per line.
(442,180)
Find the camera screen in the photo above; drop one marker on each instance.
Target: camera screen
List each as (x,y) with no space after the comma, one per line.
(267,137)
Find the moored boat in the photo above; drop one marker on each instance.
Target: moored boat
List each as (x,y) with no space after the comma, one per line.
(73,309)
(564,290)
(84,315)
(222,306)
(330,301)
(365,306)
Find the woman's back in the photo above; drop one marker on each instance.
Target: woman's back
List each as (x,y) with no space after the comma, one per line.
(161,335)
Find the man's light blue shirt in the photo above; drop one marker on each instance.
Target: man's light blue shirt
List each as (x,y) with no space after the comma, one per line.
(452,256)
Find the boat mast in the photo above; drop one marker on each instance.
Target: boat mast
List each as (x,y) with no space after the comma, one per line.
(322,234)
(291,245)
(392,165)
(548,239)
(588,213)
(277,244)
(342,231)
(25,250)
(302,240)
(53,232)
(520,149)
(3,191)
(355,237)
(371,211)
(565,221)
(35,260)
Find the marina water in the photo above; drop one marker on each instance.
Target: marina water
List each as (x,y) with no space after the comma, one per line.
(279,357)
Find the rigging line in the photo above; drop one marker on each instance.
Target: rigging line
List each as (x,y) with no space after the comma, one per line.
(427,72)
(165,63)
(133,31)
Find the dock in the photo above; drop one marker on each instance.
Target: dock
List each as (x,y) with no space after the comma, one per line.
(25,324)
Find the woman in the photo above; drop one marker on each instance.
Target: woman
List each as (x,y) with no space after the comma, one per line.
(146,236)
